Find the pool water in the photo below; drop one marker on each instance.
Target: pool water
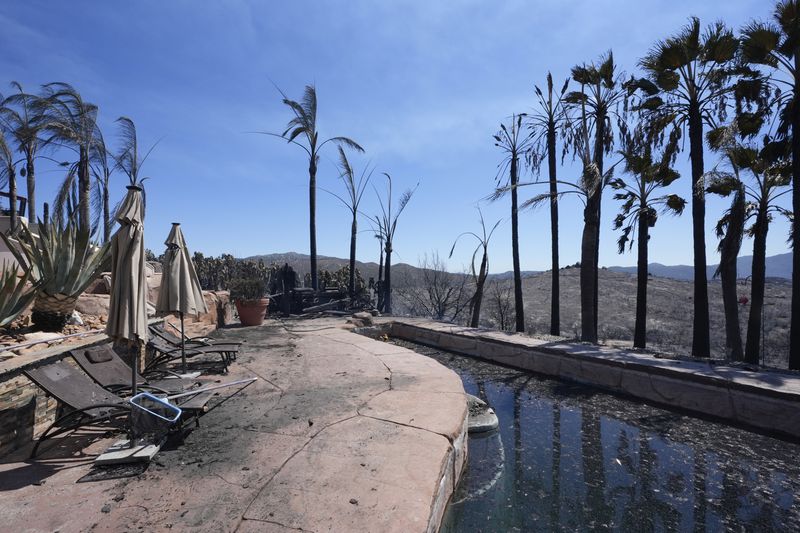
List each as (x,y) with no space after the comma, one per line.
(571,458)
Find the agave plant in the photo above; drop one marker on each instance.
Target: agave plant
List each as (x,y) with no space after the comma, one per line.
(15,293)
(63,261)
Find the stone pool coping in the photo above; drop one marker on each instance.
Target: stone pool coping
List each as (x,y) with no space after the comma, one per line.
(765,400)
(340,433)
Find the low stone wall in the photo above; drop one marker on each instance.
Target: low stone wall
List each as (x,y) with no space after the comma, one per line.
(768,401)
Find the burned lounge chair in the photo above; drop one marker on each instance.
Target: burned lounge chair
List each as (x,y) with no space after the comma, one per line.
(108,369)
(165,353)
(171,333)
(231,348)
(88,403)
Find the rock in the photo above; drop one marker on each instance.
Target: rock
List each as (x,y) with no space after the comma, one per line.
(482,418)
(93,304)
(106,508)
(75,319)
(364,317)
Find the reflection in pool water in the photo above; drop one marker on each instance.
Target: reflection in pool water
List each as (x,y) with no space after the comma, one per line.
(568,457)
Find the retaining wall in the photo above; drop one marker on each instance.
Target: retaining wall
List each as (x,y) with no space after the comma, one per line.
(768,401)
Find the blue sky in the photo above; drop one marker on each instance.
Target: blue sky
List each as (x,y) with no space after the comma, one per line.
(421,85)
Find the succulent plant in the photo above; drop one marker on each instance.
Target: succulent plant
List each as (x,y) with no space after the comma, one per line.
(15,293)
(63,261)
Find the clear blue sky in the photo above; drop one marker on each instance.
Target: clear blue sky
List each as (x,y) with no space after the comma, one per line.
(421,85)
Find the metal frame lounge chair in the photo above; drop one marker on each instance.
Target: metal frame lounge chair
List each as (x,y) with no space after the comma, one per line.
(89,403)
(108,369)
(166,353)
(231,348)
(162,329)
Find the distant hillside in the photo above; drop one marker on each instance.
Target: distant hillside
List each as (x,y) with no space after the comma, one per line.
(778,266)
(301,264)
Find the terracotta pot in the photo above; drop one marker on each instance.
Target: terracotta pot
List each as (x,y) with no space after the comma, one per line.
(252,312)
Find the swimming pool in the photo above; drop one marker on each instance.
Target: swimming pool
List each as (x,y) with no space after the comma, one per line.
(573,458)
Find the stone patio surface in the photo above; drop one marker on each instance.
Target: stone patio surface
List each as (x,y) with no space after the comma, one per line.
(340,433)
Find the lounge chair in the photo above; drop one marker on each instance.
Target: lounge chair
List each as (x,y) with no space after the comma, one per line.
(108,369)
(171,333)
(89,403)
(231,348)
(164,353)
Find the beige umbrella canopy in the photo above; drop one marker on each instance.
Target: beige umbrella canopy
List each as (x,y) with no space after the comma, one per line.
(180,289)
(127,312)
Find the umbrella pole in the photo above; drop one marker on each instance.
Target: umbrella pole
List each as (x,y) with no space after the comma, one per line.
(134,380)
(183,344)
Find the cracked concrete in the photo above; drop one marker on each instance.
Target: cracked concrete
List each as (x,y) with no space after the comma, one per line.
(341,433)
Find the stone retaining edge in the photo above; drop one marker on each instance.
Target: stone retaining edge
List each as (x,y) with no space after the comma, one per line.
(766,409)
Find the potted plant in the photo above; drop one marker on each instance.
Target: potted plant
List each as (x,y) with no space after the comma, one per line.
(249,296)
(62,261)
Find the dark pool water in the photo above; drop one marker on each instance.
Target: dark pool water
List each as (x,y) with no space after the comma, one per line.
(570,458)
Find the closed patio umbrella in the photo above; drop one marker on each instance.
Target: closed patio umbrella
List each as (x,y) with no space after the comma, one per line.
(127,312)
(180,289)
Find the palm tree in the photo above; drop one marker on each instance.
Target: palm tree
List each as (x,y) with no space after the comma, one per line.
(595,105)
(651,172)
(514,144)
(546,122)
(730,229)
(8,175)
(129,159)
(688,77)
(20,116)
(770,173)
(387,223)
(103,165)
(355,191)
(483,272)
(304,124)
(72,122)
(775,45)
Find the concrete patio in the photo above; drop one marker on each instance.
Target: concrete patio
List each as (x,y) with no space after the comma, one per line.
(340,433)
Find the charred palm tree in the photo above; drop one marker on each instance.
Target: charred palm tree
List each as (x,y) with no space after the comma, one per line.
(483,272)
(546,122)
(688,77)
(8,176)
(70,121)
(355,187)
(103,166)
(129,159)
(769,168)
(387,222)
(22,120)
(515,144)
(595,105)
(651,173)
(730,229)
(304,126)
(775,45)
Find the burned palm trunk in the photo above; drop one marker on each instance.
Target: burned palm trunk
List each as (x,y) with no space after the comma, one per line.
(555,290)
(12,197)
(588,278)
(387,280)
(518,306)
(478,298)
(84,189)
(701,342)
(351,286)
(31,187)
(729,252)
(751,349)
(794,334)
(312,218)
(640,329)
